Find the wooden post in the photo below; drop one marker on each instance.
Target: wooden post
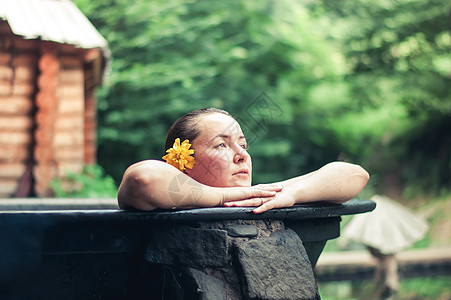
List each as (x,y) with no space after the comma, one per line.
(47,104)
(92,58)
(90,127)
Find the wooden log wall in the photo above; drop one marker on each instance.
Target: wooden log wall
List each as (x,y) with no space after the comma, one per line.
(70,137)
(18,69)
(61,109)
(47,113)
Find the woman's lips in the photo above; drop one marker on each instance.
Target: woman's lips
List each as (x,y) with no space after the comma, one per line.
(242,173)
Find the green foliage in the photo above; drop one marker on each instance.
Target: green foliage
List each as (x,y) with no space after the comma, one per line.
(424,288)
(397,89)
(172,57)
(90,183)
(365,81)
(429,288)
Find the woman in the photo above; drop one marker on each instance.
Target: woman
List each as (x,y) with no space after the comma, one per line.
(217,171)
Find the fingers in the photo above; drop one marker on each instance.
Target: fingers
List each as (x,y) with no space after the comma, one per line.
(249,202)
(254,193)
(269,187)
(266,206)
(250,196)
(262,193)
(274,202)
(264,190)
(262,204)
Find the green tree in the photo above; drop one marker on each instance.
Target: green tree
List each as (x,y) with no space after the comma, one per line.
(175,56)
(309,81)
(399,78)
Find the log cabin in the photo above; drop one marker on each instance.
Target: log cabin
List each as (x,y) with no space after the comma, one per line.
(52,59)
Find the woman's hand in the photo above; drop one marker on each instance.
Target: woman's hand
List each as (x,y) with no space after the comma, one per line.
(282,198)
(256,194)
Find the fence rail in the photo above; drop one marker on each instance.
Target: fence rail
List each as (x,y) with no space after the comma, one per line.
(360,265)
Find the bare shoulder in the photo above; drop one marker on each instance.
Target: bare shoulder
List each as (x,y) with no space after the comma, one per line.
(148,164)
(136,180)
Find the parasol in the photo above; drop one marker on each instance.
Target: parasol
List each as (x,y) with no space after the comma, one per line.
(390,227)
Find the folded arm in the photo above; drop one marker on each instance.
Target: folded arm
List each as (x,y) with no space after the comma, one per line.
(336,182)
(152,184)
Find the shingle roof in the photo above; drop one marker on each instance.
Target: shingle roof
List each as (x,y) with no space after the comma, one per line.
(51,20)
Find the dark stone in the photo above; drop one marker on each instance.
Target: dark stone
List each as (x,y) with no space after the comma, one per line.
(297,212)
(314,250)
(314,233)
(314,230)
(207,287)
(117,254)
(276,267)
(186,246)
(241,230)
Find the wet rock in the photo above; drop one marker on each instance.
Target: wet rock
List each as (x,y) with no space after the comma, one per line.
(241,230)
(208,287)
(186,246)
(275,267)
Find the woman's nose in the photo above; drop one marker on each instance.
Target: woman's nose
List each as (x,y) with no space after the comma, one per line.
(241,155)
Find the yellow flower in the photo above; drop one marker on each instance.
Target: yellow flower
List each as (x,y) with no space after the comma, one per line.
(179,156)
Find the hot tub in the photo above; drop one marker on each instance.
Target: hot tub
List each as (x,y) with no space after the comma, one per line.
(92,250)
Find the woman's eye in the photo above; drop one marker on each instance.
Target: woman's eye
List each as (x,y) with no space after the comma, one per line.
(244,146)
(222,145)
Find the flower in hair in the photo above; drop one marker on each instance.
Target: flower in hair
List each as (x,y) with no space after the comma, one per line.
(179,155)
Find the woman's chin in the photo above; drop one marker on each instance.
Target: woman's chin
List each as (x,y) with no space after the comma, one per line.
(234,182)
(241,183)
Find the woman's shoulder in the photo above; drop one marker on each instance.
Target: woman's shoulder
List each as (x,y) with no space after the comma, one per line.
(147,164)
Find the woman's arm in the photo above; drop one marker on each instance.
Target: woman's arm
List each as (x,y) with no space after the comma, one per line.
(152,184)
(335,182)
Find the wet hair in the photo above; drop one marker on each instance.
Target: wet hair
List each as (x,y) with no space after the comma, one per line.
(185,126)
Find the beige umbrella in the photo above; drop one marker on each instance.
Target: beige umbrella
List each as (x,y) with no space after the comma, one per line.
(390,227)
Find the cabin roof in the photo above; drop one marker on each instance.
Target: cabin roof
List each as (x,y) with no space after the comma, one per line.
(52,20)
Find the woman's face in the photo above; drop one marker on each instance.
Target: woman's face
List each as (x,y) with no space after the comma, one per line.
(221,153)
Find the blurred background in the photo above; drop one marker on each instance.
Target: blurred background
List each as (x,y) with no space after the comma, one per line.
(367,82)
(311,82)
(358,81)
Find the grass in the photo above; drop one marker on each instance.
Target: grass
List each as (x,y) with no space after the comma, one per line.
(429,288)
(421,288)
